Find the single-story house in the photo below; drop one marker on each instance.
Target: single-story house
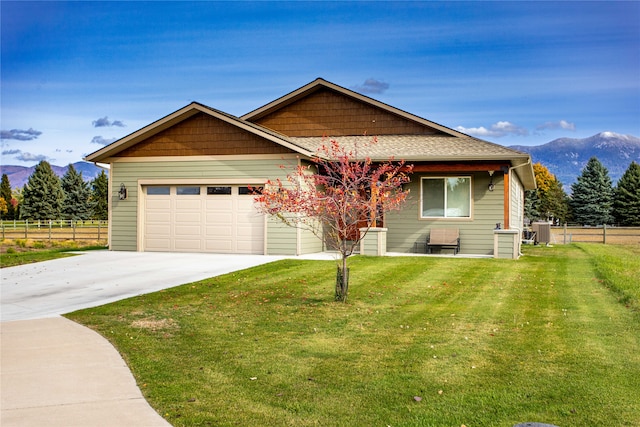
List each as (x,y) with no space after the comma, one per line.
(183,183)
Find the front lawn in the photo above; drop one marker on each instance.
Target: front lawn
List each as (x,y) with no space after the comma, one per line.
(20,252)
(422,342)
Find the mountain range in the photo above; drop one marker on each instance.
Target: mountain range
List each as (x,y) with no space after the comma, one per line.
(19,175)
(564,157)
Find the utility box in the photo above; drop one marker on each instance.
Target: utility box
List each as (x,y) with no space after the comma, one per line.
(542,232)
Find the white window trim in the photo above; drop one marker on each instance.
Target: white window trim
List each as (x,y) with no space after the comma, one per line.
(453,218)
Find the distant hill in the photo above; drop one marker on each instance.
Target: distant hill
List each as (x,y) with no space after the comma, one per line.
(19,175)
(566,157)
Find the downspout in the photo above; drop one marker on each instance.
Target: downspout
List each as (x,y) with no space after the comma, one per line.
(519,228)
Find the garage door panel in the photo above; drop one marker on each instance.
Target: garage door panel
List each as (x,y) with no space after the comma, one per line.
(158,244)
(159,230)
(158,216)
(187,205)
(188,231)
(220,218)
(219,245)
(217,204)
(188,217)
(188,244)
(217,231)
(158,204)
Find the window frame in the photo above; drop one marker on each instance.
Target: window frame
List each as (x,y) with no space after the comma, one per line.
(444,179)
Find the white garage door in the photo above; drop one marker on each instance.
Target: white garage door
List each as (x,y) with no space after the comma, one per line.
(220,219)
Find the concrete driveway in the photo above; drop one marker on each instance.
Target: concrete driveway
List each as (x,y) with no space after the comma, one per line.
(51,288)
(57,373)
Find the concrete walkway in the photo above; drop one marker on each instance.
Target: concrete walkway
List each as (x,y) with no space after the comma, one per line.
(56,373)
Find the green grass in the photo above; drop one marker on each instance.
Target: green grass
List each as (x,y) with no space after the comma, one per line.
(422,342)
(12,258)
(619,273)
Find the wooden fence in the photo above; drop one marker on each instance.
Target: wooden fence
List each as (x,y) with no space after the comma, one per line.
(55,230)
(601,234)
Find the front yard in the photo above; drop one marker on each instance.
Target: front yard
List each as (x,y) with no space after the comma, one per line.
(553,338)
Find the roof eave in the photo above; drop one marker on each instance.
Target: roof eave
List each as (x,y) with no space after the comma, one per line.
(111,150)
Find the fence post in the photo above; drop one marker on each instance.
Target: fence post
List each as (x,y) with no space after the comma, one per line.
(26,228)
(50,223)
(73,226)
(564,234)
(3,231)
(99,230)
(604,234)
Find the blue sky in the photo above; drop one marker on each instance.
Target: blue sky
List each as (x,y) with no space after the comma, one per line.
(77,75)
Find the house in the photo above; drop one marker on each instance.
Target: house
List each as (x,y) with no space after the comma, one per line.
(183,183)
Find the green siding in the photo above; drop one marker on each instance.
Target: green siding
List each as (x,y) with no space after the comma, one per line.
(281,239)
(476,234)
(507,241)
(309,243)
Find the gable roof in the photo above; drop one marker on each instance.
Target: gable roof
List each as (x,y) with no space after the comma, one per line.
(182,114)
(319,84)
(445,145)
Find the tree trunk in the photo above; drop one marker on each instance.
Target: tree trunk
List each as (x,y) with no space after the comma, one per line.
(342,282)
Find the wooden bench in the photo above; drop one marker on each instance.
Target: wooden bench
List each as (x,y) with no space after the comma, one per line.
(448,238)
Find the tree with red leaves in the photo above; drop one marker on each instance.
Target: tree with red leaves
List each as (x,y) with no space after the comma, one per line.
(338,196)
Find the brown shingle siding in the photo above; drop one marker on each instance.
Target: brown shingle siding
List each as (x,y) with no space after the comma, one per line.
(325,112)
(203,135)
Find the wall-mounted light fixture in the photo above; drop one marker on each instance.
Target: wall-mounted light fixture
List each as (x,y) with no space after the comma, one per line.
(122,194)
(491,184)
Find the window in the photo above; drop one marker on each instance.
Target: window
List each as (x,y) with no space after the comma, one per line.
(249,190)
(446,197)
(187,191)
(218,190)
(158,191)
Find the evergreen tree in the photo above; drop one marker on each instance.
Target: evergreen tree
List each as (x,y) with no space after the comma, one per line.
(100,196)
(76,205)
(42,194)
(626,203)
(531,205)
(592,195)
(5,193)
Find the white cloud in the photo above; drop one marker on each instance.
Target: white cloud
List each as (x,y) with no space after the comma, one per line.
(496,130)
(28,157)
(105,122)
(560,124)
(20,134)
(102,141)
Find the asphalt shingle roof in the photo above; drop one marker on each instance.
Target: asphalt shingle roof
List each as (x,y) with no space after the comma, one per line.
(418,147)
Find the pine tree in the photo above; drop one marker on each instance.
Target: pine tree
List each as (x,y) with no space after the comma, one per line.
(42,195)
(76,205)
(592,195)
(626,203)
(100,196)
(5,193)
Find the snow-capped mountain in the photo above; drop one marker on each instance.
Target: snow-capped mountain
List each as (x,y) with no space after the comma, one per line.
(566,157)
